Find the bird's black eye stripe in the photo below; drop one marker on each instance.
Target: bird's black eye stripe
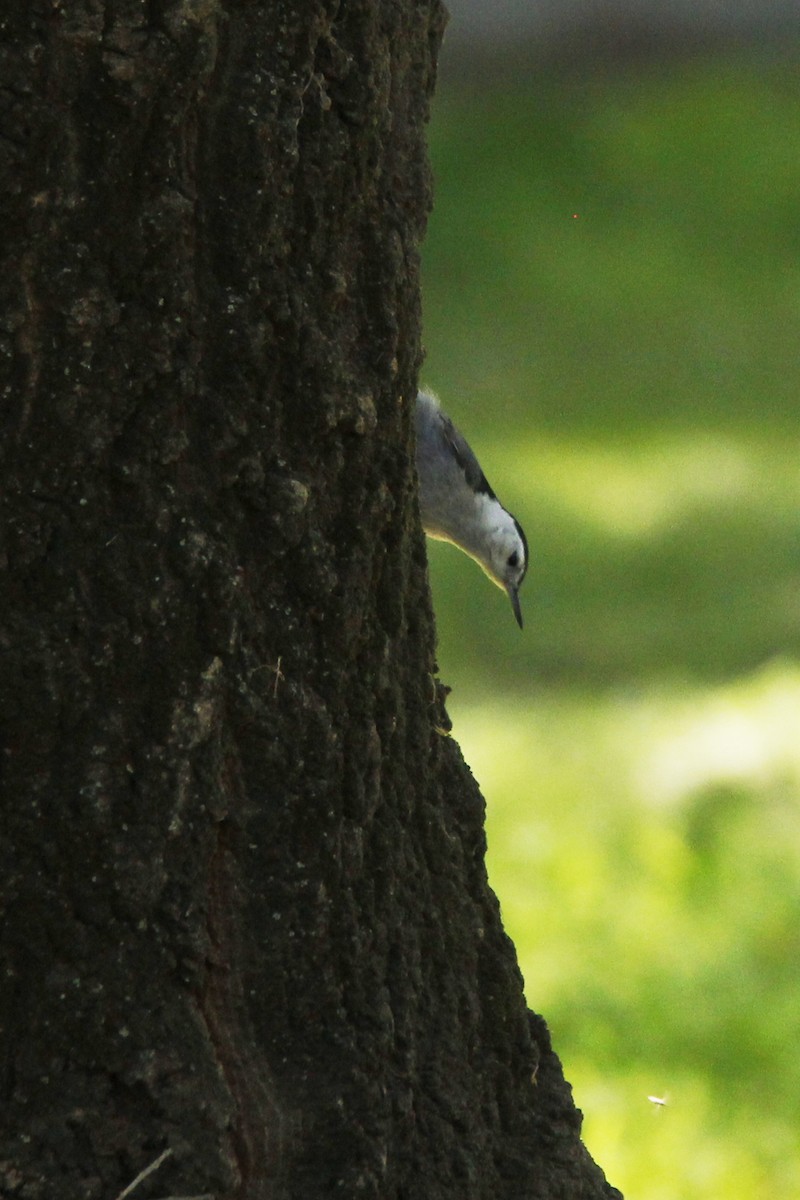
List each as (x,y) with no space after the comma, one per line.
(513,559)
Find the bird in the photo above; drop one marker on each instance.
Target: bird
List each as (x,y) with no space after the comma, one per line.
(457,504)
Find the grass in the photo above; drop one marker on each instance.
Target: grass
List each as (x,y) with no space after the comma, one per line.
(611,296)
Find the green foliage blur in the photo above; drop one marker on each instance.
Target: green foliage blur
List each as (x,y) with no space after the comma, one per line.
(612,316)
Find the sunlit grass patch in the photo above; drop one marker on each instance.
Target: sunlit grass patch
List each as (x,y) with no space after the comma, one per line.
(689,1147)
(637,784)
(745,734)
(645,846)
(635,487)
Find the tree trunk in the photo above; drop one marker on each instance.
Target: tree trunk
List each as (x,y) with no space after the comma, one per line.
(247,936)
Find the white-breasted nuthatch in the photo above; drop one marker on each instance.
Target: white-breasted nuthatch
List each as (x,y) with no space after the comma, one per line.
(457,505)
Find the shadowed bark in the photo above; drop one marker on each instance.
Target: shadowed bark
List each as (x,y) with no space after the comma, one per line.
(245,914)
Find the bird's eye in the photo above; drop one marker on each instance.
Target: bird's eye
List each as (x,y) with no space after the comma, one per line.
(513,559)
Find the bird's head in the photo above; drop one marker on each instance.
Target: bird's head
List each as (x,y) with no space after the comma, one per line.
(508,558)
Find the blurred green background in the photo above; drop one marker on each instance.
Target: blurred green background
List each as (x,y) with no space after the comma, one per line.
(612,316)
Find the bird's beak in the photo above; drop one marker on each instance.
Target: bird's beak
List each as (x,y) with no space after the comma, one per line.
(514,598)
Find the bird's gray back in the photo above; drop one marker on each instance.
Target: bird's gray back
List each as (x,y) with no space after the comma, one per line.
(444,447)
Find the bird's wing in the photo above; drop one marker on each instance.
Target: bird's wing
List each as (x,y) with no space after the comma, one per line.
(464,457)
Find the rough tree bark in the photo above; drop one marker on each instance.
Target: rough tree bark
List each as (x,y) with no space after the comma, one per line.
(246,920)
